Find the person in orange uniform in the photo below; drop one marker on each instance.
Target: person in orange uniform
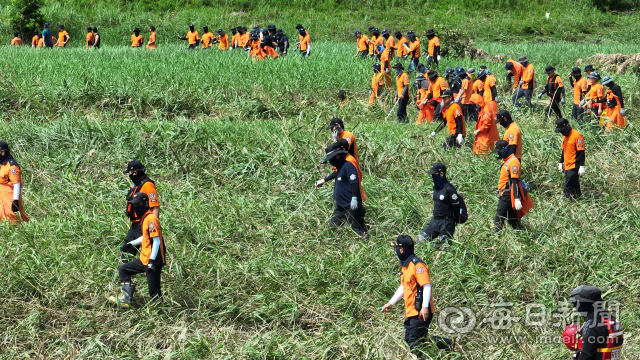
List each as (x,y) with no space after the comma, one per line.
(256,51)
(613,114)
(489,91)
(235,36)
(35,38)
(415,288)
(208,39)
(389,43)
(362,42)
(401,50)
(385,60)
(136,38)
(336,125)
(377,84)
(89,38)
(422,92)
(10,187)
(152,38)
(378,43)
(63,36)
(402,95)
(152,258)
(437,85)
(596,95)
(571,157)
(141,184)
(512,134)
(305,43)
(464,94)
(579,84)
(485,137)
(16,41)
(413,49)
(223,40)
(555,90)
(193,37)
(433,48)
(527,83)
(514,73)
(268,50)
(513,201)
(453,118)
(478,86)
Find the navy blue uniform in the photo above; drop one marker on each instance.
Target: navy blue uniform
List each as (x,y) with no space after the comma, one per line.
(346,182)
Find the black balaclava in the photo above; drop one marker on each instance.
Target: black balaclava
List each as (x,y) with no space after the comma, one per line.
(398,71)
(584,308)
(439,182)
(566,130)
(137,178)
(577,76)
(408,252)
(504,153)
(505,121)
(7,156)
(140,209)
(337,163)
(191,27)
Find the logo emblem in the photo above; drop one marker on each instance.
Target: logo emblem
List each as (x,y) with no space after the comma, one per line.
(340,179)
(441,197)
(420,270)
(514,169)
(352,176)
(13,171)
(511,136)
(454,196)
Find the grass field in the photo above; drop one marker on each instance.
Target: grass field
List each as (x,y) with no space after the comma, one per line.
(227,142)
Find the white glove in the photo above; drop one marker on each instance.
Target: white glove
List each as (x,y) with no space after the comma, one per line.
(622,112)
(521,83)
(457,100)
(439,57)
(320,183)
(354,203)
(518,205)
(581,171)
(560,167)
(582,102)
(459,139)
(432,135)
(497,100)
(334,135)
(563,101)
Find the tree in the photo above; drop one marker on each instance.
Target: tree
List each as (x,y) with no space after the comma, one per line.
(24,16)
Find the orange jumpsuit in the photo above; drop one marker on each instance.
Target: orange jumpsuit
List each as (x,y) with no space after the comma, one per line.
(10,174)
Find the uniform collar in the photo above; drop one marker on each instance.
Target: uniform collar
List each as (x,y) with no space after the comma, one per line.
(406,262)
(508,158)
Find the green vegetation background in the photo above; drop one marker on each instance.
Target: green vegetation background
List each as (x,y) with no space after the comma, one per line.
(229,141)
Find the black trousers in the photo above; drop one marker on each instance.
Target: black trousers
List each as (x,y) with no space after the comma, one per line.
(135,231)
(451,142)
(304,54)
(520,93)
(577,113)
(413,64)
(572,184)
(469,112)
(402,110)
(416,331)
(363,54)
(553,107)
(354,217)
(193,47)
(437,227)
(136,266)
(506,212)
(433,59)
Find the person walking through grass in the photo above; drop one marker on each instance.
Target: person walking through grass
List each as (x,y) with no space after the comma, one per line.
(11,189)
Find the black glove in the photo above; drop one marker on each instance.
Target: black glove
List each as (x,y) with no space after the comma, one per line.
(151,266)
(434,103)
(15,206)
(126,247)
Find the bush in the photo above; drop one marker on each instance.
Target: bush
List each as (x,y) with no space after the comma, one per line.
(604,5)
(24,16)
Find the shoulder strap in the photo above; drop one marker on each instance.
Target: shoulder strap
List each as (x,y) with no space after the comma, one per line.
(416,260)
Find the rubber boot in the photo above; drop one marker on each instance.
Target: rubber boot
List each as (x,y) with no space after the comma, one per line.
(443,343)
(125,298)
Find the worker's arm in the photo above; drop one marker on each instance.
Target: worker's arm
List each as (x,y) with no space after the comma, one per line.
(561,156)
(571,81)
(355,190)
(441,125)
(405,91)
(331,176)
(426,295)
(155,247)
(494,93)
(459,122)
(397,296)
(617,91)
(590,337)
(544,92)
(156,211)
(514,147)
(16,191)
(509,76)
(182,38)
(580,158)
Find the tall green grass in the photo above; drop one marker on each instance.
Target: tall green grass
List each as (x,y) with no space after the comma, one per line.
(228,142)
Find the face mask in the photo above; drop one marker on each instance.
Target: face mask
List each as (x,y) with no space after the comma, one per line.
(398,72)
(504,153)
(7,156)
(566,131)
(439,182)
(403,257)
(504,123)
(136,178)
(140,209)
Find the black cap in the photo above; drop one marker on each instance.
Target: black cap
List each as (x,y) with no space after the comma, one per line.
(254,36)
(523,59)
(136,30)
(61,26)
(397,33)
(446,93)
(271,27)
(560,124)
(153,28)
(437,168)
(549,69)
(88,28)
(333,150)
(355,33)
(431,74)
(95,29)
(139,198)
(376,66)
(430,32)
(508,65)
(334,122)
(503,114)
(576,71)
(586,293)
(403,241)
(46,25)
(589,68)
(398,66)
(135,165)
(4,145)
(500,144)
(206,28)
(299,26)
(220,31)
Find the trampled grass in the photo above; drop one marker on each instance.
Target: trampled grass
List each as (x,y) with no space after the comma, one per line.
(228,142)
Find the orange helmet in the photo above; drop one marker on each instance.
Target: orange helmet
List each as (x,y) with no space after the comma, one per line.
(570,336)
(477,99)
